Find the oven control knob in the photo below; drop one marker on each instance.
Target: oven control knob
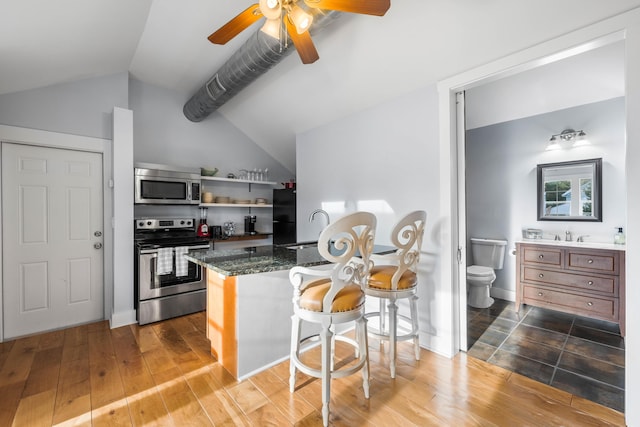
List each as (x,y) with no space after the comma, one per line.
(141,223)
(182,222)
(148,222)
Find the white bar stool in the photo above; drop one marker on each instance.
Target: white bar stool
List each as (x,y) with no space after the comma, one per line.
(331,298)
(396,278)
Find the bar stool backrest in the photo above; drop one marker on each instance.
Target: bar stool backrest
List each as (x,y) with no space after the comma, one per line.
(407,237)
(348,243)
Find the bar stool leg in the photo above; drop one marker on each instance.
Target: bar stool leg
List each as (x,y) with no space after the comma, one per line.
(383,316)
(363,345)
(393,320)
(295,350)
(415,328)
(326,337)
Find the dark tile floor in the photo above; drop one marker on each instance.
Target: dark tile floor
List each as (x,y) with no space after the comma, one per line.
(580,355)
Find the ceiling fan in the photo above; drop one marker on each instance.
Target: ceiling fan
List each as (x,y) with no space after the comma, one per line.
(295,19)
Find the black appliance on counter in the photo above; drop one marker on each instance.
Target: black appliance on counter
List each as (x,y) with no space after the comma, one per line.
(284,216)
(250,225)
(165,284)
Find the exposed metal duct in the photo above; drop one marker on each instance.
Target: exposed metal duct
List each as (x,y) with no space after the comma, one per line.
(254,58)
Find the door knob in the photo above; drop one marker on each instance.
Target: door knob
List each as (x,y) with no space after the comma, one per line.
(98,233)
(97,245)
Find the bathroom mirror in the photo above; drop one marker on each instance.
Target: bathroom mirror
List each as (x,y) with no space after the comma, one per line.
(570,191)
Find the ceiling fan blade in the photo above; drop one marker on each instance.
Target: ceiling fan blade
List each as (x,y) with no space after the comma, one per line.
(303,43)
(367,7)
(236,25)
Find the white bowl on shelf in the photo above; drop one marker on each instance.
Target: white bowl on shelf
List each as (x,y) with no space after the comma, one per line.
(208,171)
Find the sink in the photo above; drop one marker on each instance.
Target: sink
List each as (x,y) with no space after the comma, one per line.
(302,245)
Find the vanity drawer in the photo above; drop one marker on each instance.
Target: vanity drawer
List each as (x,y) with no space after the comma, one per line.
(578,281)
(600,307)
(539,255)
(603,262)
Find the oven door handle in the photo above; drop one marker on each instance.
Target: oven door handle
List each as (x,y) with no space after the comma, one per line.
(154,252)
(198,247)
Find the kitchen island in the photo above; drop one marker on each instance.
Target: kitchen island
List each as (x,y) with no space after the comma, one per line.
(249,304)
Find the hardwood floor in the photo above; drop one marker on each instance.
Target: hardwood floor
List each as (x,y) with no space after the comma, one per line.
(163,375)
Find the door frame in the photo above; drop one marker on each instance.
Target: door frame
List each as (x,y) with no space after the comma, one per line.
(41,138)
(625,27)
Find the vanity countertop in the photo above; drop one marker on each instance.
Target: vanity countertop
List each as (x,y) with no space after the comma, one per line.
(574,244)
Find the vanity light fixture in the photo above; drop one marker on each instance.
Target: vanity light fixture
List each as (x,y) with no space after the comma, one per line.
(567,138)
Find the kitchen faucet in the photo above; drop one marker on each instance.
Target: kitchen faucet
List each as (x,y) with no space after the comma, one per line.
(581,238)
(319,211)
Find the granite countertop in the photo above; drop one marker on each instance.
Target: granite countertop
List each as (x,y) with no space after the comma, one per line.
(262,259)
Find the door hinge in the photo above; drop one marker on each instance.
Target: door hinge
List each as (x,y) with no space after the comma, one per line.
(459,254)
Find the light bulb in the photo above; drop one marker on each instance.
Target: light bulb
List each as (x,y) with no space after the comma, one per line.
(301,19)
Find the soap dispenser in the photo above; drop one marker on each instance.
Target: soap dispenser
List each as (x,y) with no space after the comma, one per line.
(618,237)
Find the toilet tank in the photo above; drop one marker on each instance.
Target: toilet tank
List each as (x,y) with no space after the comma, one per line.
(488,252)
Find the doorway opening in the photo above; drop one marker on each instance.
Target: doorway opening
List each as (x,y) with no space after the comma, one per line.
(501,142)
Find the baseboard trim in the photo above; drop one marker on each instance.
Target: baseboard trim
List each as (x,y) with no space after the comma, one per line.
(504,294)
(122,318)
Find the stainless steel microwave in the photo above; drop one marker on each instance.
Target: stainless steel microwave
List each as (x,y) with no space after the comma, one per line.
(166,185)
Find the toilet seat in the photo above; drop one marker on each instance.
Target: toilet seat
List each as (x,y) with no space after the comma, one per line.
(480,271)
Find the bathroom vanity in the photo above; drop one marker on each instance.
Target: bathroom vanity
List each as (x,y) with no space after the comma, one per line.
(578,278)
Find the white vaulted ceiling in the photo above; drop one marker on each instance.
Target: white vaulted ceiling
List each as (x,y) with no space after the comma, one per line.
(364,60)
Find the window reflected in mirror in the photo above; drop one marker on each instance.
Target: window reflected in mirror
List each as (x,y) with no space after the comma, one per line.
(570,191)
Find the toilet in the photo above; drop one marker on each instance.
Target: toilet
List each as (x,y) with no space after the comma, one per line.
(488,256)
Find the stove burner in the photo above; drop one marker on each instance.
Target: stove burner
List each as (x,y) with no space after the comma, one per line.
(165,232)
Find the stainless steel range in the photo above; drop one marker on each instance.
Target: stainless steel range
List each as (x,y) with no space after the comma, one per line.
(166,284)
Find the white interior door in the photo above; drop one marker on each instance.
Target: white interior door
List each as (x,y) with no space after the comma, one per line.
(52,238)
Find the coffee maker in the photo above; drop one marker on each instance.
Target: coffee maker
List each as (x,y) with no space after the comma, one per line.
(250,224)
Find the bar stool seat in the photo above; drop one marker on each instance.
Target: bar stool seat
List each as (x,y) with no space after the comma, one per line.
(332,299)
(381,277)
(398,280)
(347,299)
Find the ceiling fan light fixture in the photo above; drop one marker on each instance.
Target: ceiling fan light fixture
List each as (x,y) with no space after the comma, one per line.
(272,27)
(300,19)
(271,9)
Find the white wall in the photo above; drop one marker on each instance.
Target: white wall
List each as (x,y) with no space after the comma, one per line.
(82,107)
(382,160)
(589,77)
(164,135)
(501,183)
(632,340)
(123,312)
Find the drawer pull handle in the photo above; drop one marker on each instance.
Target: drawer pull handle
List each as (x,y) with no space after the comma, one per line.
(539,294)
(540,256)
(541,275)
(590,282)
(590,261)
(589,303)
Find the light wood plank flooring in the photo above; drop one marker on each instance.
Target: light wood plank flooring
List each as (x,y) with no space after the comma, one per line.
(163,375)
